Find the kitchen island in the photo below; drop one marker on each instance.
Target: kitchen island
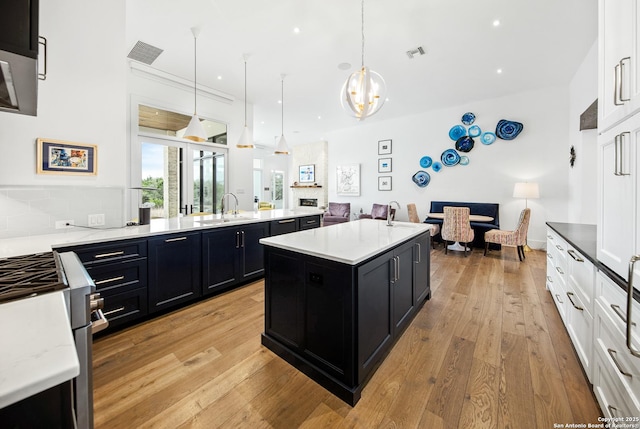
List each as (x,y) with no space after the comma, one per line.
(337,298)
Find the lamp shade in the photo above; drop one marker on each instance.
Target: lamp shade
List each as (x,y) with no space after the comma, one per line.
(195,130)
(526,190)
(246,139)
(282,148)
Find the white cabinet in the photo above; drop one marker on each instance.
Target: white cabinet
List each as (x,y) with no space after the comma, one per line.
(618,186)
(618,47)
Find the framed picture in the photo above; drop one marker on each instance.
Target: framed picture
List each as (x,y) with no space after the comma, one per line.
(307,174)
(384,165)
(384,147)
(384,183)
(62,157)
(348,179)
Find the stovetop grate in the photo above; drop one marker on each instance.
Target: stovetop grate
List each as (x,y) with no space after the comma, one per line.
(23,276)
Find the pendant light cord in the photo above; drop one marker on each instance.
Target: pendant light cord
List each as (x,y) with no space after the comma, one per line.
(282,106)
(245,93)
(195,68)
(362,33)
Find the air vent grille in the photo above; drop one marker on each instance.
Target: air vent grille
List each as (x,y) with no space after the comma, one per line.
(144,52)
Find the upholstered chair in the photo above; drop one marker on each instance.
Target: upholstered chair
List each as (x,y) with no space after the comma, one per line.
(378,211)
(337,213)
(413,217)
(517,237)
(456,227)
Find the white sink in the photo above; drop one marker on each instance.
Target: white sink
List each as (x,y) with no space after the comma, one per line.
(229,219)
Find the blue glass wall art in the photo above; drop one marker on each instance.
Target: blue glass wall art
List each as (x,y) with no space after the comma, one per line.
(421,178)
(508,130)
(464,160)
(450,157)
(487,137)
(468,118)
(456,132)
(474,131)
(464,144)
(436,166)
(426,161)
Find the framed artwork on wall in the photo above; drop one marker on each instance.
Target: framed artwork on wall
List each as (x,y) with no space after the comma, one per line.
(384,147)
(384,183)
(307,173)
(348,179)
(62,157)
(384,165)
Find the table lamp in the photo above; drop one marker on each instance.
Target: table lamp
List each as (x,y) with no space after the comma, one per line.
(526,190)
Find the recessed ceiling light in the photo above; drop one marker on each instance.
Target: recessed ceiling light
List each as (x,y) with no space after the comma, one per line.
(296,30)
(496,22)
(319,117)
(279,101)
(499,71)
(219,77)
(344,66)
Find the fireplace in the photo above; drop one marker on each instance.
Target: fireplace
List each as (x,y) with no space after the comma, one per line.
(308,202)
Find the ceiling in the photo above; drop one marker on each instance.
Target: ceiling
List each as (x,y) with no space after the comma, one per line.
(539,43)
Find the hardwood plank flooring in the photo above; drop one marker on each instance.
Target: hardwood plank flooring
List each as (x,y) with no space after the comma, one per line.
(487,351)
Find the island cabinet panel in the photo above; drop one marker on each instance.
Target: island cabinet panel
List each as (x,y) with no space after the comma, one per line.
(308,222)
(174,270)
(402,286)
(284,226)
(251,251)
(422,278)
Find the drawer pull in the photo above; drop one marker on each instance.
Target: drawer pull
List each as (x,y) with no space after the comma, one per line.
(286,221)
(113,279)
(573,254)
(559,247)
(559,270)
(169,240)
(611,410)
(632,262)
(621,315)
(559,300)
(115,310)
(549,255)
(311,222)
(550,237)
(549,279)
(613,355)
(569,294)
(106,255)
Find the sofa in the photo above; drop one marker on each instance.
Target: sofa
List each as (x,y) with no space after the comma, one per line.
(479,228)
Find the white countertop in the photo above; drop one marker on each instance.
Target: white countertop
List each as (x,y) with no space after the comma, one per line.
(348,242)
(74,236)
(38,351)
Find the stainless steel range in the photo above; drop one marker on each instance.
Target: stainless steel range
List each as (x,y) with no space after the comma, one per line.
(29,275)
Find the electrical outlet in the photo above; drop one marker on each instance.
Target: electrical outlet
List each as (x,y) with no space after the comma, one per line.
(95,219)
(63,224)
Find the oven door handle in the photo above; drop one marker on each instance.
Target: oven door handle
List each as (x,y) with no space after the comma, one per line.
(100,324)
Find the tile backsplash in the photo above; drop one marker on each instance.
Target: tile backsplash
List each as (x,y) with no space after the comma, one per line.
(34,210)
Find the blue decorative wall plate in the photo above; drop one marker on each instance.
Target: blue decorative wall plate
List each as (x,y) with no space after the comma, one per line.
(464,160)
(450,157)
(426,161)
(456,132)
(508,130)
(468,118)
(436,166)
(488,137)
(421,178)
(464,144)
(474,131)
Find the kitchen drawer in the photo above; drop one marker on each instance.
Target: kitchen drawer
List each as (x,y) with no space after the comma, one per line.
(122,275)
(581,277)
(611,346)
(556,289)
(609,394)
(614,300)
(95,254)
(121,308)
(579,325)
(309,222)
(283,226)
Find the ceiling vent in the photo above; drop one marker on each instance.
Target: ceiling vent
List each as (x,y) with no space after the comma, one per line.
(419,50)
(144,53)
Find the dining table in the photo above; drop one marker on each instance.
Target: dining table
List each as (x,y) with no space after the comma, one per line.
(472,218)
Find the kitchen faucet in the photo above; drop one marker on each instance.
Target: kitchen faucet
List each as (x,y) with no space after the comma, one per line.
(389,221)
(235,208)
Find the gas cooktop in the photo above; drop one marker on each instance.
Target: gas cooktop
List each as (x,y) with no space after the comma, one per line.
(29,275)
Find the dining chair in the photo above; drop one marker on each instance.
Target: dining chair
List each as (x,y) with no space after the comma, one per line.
(413,217)
(456,227)
(517,237)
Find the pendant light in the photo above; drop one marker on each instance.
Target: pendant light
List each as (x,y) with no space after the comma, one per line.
(282,148)
(364,92)
(195,131)
(246,138)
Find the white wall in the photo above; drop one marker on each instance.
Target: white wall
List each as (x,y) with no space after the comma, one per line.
(538,154)
(583,90)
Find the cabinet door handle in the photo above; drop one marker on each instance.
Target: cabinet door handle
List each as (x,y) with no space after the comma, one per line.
(170,240)
(621,315)
(237,239)
(559,300)
(622,173)
(419,253)
(632,262)
(613,355)
(398,268)
(286,221)
(242,245)
(559,270)
(113,279)
(106,255)
(611,410)
(621,97)
(616,155)
(569,295)
(574,255)
(616,85)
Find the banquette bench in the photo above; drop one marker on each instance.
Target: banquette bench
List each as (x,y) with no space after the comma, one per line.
(479,228)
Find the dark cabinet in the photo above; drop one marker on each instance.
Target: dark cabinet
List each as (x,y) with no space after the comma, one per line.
(422,278)
(174,270)
(308,222)
(402,286)
(284,226)
(232,255)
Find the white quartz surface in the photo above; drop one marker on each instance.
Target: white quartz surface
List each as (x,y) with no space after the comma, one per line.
(74,236)
(37,350)
(348,242)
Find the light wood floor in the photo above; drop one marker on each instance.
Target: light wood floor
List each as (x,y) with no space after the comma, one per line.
(487,351)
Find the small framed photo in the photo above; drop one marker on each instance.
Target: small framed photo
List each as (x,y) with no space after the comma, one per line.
(62,157)
(307,173)
(384,183)
(384,165)
(384,147)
